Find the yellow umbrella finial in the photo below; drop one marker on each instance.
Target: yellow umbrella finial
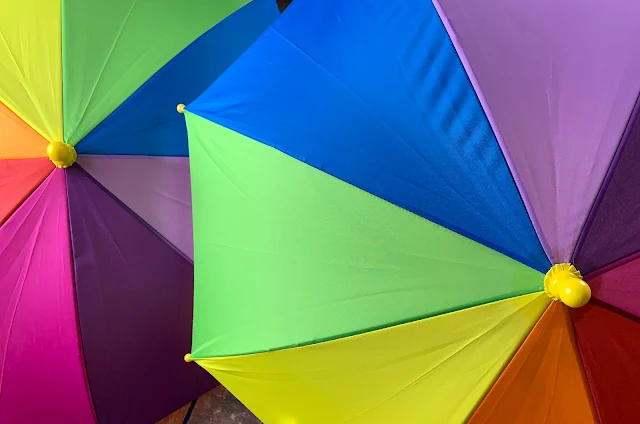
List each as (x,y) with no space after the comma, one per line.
(564,282)
(61,154)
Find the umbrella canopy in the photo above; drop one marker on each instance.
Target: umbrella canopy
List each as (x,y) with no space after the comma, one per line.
(96,271)
(395,204)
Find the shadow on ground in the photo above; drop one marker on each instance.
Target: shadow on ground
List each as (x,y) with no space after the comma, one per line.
(216,407)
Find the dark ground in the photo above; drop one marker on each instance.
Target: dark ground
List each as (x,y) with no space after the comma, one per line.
(282,4)
(216,407)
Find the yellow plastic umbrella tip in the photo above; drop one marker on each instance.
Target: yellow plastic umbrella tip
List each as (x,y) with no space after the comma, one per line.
(564,282)
(187,358)
(180,108)
(61,154)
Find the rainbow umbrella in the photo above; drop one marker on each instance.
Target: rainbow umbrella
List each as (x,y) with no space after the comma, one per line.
(379,190)
(96,274)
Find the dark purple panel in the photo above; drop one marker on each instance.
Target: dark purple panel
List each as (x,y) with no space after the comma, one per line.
(135,300)
(613,231)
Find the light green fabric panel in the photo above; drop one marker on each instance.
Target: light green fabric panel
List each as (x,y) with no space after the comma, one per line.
(110,48)
(287,255)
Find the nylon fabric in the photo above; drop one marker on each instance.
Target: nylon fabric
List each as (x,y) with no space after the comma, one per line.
(30,63)
(42,374)
(287,255)
(430,371)
(147,122)
(129,43)
(135,300)
(609,345)
(558,80)
(380,101)
(17,139)
(18,179)
(614,231)
(618,284)
(157,189)
(543,383)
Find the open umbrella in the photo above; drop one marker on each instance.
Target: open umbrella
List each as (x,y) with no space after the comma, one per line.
(96,269)
(379,190)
